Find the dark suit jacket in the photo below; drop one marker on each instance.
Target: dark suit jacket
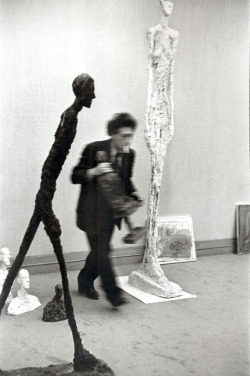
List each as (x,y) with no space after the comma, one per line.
(92,209)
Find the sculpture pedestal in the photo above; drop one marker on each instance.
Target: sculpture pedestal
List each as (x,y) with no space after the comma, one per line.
(160,286)
(101,369)
(150,278)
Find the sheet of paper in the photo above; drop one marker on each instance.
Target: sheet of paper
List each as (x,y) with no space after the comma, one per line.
(146,297)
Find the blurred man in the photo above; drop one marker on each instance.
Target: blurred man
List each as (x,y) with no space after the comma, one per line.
(94,212)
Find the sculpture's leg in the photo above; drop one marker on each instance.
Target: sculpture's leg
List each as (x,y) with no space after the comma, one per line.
(27,240)
(83,360)
(151,277)
(153,207)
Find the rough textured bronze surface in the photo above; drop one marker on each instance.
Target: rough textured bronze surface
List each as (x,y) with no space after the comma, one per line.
(101,369)
(83,87)
(55,309)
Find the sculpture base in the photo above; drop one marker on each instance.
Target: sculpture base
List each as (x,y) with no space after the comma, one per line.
(101,369)
(156,285)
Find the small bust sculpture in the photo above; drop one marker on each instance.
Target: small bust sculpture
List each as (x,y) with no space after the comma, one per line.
(55,309)
(23,302)
(4,263)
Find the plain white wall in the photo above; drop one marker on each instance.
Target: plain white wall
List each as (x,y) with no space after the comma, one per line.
(46,44)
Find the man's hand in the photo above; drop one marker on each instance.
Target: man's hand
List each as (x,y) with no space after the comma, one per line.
(100,169)
(136,196)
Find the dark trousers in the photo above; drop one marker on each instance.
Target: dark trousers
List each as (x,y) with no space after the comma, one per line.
(98,261)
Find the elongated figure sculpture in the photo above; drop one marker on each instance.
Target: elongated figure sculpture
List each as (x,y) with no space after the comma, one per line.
(83,88)
(159,129)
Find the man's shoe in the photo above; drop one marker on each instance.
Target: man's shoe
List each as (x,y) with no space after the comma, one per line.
(118,301)
(90,292)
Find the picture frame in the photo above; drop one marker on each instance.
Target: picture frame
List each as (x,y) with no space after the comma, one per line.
(175,239)
(243,228)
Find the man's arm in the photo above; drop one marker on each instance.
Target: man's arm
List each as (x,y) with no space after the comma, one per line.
(80,172)
(88,167)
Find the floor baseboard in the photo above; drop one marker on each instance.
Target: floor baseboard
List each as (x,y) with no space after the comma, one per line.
(123,256)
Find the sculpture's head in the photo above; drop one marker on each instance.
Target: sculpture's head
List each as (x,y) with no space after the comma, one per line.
(166,7)
(59,291)
(5,256)
(84,89)
(24,278)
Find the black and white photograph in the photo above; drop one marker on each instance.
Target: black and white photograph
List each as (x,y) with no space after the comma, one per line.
(124,188)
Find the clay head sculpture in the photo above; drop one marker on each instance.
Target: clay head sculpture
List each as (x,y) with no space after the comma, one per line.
(23,302)
(4,257)
(24,279)
(4,264)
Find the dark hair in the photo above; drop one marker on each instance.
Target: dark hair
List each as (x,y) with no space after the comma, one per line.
(120,120)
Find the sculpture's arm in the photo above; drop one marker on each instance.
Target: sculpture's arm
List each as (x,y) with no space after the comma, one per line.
(175,41)
(150,40)
(171,75)
(150,45)
(64,137)
(147,131)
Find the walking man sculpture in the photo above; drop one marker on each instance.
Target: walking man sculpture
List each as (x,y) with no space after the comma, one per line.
(83,88)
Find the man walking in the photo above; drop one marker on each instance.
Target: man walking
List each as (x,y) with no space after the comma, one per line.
(94,214)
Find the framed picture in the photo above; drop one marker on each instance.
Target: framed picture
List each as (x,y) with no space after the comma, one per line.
(243,228)
(175,240)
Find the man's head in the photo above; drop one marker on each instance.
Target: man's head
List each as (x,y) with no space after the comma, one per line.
(84,89)
(166,7)
(121,128)
(5,256)
(24,278)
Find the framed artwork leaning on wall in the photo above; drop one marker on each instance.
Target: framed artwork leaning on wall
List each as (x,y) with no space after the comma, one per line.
(175,240)
(243,227)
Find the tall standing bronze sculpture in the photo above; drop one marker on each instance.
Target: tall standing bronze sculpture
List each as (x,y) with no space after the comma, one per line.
(83,88)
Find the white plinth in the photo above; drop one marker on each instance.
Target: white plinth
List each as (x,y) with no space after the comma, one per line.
(159,286)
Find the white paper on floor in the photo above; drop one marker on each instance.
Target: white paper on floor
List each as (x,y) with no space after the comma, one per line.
(146,297)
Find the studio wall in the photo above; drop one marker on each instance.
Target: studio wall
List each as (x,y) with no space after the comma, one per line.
(46,44)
